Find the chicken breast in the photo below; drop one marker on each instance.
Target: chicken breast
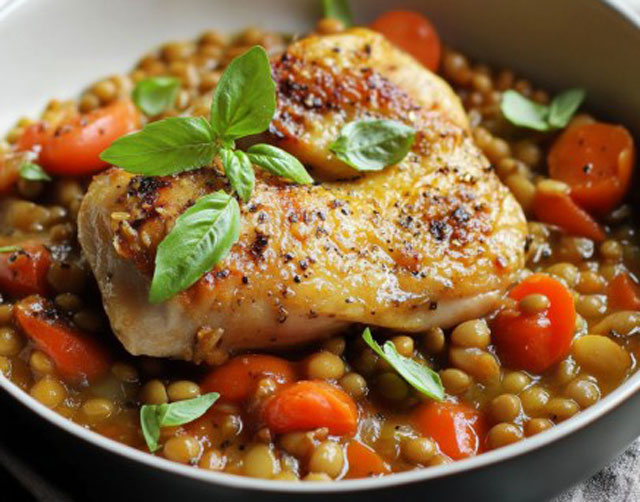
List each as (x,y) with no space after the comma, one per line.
(432,241)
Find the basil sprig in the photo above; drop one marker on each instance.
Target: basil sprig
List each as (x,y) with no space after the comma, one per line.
(155,95)
(164,147)
(245,98)
(338,9)
(418,375)
(239,171)
(155,416)
(243,104)
(372,145)
(201,237)
(524,112)
(33,172)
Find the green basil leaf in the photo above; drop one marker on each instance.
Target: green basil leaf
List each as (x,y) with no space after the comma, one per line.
(372,145)
(154,95)
(150,426)
(244,100)
(34,172)
(338,9)
(155,416)
(183,412)
(564,105)
(9,249)
(279,162)
(164,147)
(200,238)
(523,112)
(418,375)
(239,170)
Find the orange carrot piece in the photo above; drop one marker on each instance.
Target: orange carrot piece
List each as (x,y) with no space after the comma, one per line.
(236,379)
(596,161)
(560,209)
(412,32)
(623,293)
(74,147)
(364,462)
(458,428)
(535,342)
(307,405)
(24,272)
(76,356)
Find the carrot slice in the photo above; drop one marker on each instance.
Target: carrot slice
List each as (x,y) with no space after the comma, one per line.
(458,428)
(364,462)
(237,378)
(24,272)
(76,356)
(535,342)
(560,209)
(74,147)
(596,160)
(412,32)
(307,405)
(623,293)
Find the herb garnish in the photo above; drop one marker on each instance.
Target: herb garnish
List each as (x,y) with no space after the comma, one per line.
(201,237)
(338,9)
(243,104)
(155,416)
(524,112)
(33,172)
(154,95)
(418,375)
(9,249)
(372,145)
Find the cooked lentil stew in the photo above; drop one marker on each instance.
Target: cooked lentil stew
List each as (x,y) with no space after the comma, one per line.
(562,338)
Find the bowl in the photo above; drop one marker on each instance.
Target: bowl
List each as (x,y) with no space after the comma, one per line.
(54,48)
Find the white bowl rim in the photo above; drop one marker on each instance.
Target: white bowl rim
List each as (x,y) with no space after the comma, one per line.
(615,399)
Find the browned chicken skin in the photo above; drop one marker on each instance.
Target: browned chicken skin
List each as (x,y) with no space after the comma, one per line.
(430,242)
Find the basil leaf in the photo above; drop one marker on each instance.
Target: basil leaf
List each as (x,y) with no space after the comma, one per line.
(238,169)
(9,249)
(183,412)
(200,238)
(34,172)
(164,147)
(523,112)
(279,162)
(372,145)
(564,105)
(244,100)
(150,426)
(418,375)
(154,95)
(338,9)
(155,416)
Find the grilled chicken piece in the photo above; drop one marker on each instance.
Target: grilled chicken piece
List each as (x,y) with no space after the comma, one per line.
(432,241)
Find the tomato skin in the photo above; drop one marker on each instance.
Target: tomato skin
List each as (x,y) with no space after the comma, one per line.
(24,272)
(597,161)
(535,342)
(412,32)
(458,428)
(74,147)
(236,379)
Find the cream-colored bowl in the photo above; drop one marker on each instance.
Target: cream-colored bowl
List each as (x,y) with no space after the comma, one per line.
(53,48)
